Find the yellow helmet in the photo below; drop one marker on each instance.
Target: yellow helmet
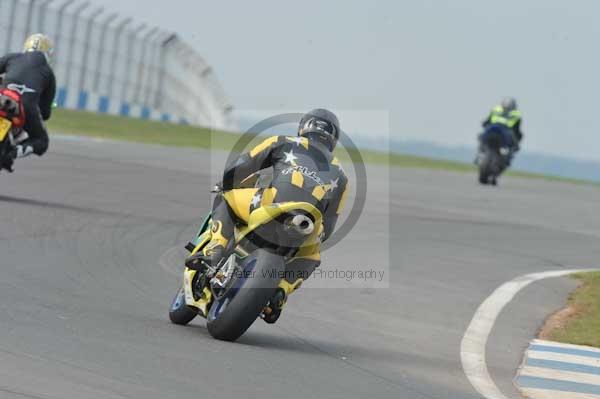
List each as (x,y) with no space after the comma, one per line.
(39,42)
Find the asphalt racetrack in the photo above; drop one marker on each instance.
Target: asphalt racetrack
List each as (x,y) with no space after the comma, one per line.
(90,257)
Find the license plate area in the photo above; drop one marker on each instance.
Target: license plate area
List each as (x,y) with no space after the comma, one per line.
(5,126)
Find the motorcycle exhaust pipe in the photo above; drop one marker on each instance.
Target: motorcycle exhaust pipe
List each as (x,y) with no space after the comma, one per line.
(301,224)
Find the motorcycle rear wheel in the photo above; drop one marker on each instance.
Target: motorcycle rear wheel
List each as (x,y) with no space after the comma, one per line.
(484,169)
(235,311)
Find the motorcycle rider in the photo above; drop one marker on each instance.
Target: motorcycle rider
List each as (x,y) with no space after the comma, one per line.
(30,74)
(304,169)
(505,118)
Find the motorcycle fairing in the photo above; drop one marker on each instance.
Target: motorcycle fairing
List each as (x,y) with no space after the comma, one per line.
(265,214)
(204,302)
(262,216)
(257,218)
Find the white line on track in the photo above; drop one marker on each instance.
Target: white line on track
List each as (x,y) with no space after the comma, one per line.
(473,345)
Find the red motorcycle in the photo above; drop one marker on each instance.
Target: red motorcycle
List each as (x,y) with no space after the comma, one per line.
(12,120)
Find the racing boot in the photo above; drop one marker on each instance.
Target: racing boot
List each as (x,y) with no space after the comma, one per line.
(22,151)
(8,162)
(272,311)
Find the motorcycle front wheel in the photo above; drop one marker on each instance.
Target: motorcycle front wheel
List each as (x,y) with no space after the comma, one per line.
(180,313)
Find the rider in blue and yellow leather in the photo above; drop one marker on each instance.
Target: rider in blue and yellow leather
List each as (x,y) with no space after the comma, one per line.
(507,118)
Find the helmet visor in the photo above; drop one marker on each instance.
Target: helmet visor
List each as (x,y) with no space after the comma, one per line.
(316,125)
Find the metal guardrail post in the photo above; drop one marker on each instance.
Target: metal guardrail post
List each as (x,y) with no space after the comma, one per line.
(87,44)
(42,15)
(140,75)
(69,59)
(103,31)
(11,25)
(113,63)
(58,26)
(154,46)
(130,67)
(28,18)
(161,69)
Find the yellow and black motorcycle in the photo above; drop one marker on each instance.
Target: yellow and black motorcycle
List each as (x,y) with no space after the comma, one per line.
(245,284)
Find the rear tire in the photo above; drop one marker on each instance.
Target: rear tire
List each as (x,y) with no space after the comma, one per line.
(490,167)
(180,313)
(483,179)
(484,169)
(230,316)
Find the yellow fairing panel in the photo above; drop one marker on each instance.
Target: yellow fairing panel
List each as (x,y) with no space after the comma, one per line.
(267,213)
(204,302)
(204,238)
(240,199)
(311,252)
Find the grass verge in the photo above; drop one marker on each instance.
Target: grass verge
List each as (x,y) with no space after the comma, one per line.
(136,130)
(579,322)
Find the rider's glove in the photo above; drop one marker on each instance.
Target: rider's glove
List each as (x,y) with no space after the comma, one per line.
(217,188)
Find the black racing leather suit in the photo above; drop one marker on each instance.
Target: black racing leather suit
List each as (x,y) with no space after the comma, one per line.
(31,75)
(303,170)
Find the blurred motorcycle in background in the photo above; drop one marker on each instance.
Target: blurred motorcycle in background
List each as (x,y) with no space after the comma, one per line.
(12,120)
(496,149)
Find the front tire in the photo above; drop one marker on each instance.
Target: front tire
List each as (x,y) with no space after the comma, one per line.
(232,314)
(180,313)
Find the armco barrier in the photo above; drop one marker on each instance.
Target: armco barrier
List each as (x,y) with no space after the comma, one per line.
(110,64)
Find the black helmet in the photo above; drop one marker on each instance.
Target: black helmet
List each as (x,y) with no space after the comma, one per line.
(321,125)
(509,104)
